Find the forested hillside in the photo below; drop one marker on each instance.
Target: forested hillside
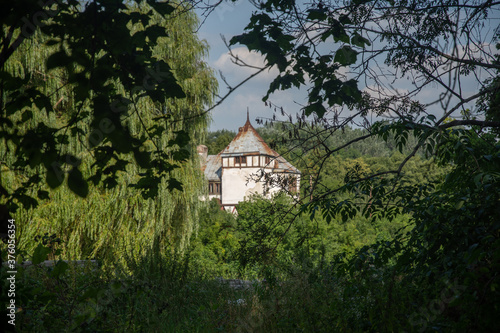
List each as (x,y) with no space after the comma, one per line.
(396,227)
(316,236)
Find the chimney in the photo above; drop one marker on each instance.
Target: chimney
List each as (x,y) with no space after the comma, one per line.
(203,152)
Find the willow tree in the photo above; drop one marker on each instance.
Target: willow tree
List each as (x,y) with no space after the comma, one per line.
(102,105)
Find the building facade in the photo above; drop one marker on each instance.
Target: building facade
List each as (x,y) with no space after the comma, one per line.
(247,166)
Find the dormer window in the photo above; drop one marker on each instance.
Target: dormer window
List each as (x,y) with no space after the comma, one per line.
(240,160)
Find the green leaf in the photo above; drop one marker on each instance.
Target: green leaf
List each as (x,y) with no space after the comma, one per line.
(163,8)
(43,195)
(459,204)
(351,91)
(58,59)
(54,176)
(181,139)
(345,56)
(148,184)
(174,184)
(317,108)
(77,184)
(181,155)
(27,201)
(337,30)
(317,14)
(155,31)
(60,268)
(40,254)
(27,115)
(359,40)
(143,158)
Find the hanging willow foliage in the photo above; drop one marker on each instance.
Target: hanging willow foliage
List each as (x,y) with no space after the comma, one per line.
(110,222)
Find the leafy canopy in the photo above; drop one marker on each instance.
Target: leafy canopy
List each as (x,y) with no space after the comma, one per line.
(102,54)
(374,64)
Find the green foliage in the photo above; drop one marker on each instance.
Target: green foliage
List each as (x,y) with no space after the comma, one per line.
(69,297)
(395,227)
(358,275)
(78,76)
(262,220)
(458,224)
(449,243)
(213,246)
(218,140)
(133,166)
(274,233)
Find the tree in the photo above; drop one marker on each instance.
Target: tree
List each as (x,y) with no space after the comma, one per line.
(116,121)
(91,81)
(218,140)
(420,41)
(359,59)
(332,48)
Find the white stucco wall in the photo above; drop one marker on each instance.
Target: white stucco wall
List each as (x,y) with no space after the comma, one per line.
(236,185)
(211,196)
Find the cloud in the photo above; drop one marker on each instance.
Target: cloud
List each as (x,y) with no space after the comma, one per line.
(226,64)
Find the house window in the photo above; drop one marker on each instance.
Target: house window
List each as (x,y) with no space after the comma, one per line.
(240,160)
(268,160)
(214,188)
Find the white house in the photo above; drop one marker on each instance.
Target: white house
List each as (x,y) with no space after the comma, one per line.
(247,166)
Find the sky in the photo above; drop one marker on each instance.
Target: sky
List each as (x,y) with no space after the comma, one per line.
(229,19)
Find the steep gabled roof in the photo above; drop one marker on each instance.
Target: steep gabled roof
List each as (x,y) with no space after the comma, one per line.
(249,141)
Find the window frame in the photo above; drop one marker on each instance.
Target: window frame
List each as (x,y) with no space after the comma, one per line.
(240,160)
(214,188)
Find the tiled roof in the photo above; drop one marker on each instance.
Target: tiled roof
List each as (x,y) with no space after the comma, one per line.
(246,141)
(285,166)
(249,141)
(213,168)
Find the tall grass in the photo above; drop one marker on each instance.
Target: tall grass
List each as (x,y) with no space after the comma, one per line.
(165,293)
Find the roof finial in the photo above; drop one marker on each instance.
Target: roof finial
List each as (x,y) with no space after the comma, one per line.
(248,115)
